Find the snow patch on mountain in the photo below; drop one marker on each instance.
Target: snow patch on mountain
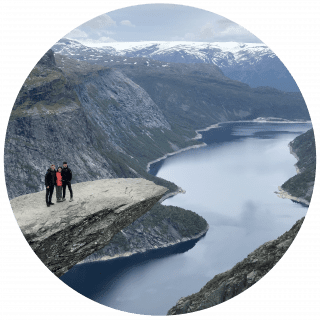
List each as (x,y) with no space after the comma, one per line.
(154,48)
(252,63)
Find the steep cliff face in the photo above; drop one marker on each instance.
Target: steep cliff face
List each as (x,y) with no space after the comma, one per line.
(300,187)
(66,233)
(98,120)
(242,276)
(196,96)
(160,227)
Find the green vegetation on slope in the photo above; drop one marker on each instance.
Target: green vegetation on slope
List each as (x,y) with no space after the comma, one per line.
(161,226)
(301,185)
(186,222)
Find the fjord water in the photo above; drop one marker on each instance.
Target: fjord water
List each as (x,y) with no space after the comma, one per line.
(231,183)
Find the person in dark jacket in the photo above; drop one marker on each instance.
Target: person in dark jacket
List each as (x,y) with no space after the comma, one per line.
(50,181)
(66,181)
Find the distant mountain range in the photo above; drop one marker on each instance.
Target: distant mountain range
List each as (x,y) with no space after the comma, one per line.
(251,63)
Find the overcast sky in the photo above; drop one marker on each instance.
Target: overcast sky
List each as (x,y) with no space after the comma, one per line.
(160,22)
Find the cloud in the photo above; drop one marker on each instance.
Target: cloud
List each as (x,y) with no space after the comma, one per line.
(106,39)
(222,30)
(127,23)
(176,38)
(100,22)
(97,42)
(206,32)
(76,34)
(225,23)
(228,27)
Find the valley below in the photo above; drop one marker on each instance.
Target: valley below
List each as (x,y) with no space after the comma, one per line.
(221,186)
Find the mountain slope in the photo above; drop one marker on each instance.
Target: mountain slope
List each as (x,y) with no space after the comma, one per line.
(241,277)
(196,94)
(95,118)
(161,227)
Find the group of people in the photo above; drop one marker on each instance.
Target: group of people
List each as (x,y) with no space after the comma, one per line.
(60,178)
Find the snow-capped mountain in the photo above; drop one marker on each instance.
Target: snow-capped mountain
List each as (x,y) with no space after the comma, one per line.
(219,53)
(252,63)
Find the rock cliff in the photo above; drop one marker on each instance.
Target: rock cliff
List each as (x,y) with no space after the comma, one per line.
(242,276)
(66,233)
(95,118)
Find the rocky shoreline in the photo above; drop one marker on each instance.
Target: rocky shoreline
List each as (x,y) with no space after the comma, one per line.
(286,195)
(265,120)
(173,153)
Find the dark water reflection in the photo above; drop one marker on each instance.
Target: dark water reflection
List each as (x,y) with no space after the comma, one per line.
(94,279)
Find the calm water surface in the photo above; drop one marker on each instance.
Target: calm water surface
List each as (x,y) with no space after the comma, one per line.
(231,183)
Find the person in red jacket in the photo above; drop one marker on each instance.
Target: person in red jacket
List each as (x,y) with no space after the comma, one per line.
(59,185)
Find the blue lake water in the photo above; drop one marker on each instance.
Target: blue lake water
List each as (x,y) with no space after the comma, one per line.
(231,183)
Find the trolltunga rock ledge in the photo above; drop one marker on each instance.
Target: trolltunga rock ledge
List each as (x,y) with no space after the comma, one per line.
(64,234)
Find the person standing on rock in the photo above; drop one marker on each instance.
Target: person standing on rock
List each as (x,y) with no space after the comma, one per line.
(50,181)
(59,185)
(66,180)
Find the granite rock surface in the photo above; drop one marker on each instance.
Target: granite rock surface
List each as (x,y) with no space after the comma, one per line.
(67,232)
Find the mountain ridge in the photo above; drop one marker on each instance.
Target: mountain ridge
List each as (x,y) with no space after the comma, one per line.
(251,63)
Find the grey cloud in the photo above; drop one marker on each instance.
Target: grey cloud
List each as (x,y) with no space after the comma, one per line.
(99,22)
(207,32)
(127,23)
(225,23)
